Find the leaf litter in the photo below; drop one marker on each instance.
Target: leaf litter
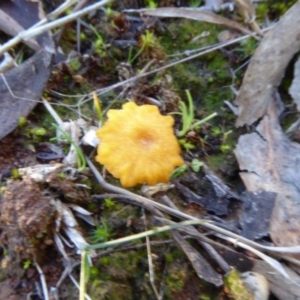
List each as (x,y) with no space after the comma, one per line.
(265,158)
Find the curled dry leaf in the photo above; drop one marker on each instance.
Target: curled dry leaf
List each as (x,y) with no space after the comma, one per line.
(267,67)
(66,221)
(205,16)
(247,10)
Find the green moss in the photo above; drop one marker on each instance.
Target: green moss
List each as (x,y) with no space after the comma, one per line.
(235,286)
(175,278)
(100,289)
(101,233)
(185,34)
(124,265)
(247,48)
(216,161)
(22,122)
(208,77)
(109,203)
(273,8)
(75,64)
(214,100)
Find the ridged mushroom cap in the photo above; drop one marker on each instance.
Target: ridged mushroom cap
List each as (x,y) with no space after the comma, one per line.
(138,145)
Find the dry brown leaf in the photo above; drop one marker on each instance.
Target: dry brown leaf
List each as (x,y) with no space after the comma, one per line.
(205,16)
(247,10)
(271,162)
(26,81)
(22,86)
(267,67)
(200,264)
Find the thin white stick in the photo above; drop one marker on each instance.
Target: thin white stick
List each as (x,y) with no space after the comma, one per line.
(64,6)
(52,112)
(150,262)
(43,281)
(34,31)
(82,276)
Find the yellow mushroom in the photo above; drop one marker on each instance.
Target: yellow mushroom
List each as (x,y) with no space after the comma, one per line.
(138,145)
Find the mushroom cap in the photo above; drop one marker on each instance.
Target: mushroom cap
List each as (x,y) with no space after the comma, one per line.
(138,145)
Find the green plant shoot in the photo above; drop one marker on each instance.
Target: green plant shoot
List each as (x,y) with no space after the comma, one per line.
(102,233)
(151,4)
(188,117)
(147,41)
(179,171)
(196,164)
(109,203)
(187,113)
(99,45)
(26,264)
(199,123)
(195,3)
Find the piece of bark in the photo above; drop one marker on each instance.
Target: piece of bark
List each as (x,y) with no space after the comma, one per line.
(211,202)
(267,67)
(256,213)
(271,162)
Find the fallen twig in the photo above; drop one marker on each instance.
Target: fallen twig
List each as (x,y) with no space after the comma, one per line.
(37,30)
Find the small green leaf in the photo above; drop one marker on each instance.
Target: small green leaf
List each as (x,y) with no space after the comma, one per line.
(39,131)
(26,264)
(179,171)
(225,148)
(22,122)
(196,165)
